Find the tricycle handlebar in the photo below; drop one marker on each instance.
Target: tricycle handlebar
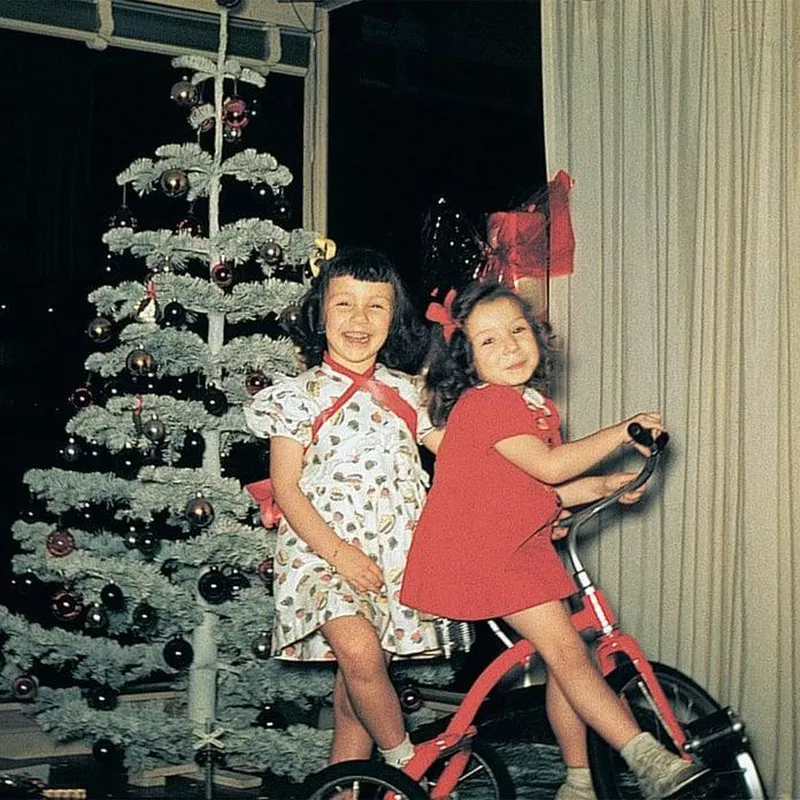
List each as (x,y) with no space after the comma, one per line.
(641,436)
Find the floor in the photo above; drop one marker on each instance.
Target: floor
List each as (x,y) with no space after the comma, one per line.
(536,776)
(536,770)
(83,772)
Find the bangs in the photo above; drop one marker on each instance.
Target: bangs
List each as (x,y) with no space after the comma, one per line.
(363,266)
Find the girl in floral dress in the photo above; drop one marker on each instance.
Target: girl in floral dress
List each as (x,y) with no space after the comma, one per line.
(346,474)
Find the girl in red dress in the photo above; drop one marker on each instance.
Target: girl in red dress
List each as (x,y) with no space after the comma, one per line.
(482,547)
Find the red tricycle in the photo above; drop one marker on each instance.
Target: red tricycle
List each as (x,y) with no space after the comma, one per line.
(455,761)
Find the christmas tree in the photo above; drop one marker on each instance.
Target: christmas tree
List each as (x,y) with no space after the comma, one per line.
(143,565)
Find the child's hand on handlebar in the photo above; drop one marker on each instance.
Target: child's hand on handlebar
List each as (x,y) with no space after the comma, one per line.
(616,480)
(650,420)
(559,532)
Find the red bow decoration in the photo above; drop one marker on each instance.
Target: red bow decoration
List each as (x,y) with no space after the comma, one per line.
(532,242)
(261,492)
(442,313)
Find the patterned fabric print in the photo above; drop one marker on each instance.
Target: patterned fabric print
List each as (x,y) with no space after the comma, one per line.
(364,477)
(544,413)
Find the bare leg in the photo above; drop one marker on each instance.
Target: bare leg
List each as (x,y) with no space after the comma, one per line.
(568,727)
(371,695)
(351,740)
(549,629)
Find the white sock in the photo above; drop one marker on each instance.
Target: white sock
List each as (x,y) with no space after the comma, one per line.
(399,756)
(579,776)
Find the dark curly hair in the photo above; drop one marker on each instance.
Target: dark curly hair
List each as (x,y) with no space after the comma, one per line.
(451,370)
(408,339)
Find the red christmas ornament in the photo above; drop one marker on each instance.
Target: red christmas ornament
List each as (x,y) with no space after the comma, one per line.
(255,382)
(60,543)
(266,571)
(81,397)
(222,275)
(65,606)
(234,112)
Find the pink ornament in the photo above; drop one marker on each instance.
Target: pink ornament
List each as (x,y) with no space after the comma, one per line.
(60,543)
(234,112)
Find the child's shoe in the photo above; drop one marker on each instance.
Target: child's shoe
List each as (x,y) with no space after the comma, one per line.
(399,756)
(661,774)
(577,786)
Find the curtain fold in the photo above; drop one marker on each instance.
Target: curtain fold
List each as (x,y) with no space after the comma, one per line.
(679,121)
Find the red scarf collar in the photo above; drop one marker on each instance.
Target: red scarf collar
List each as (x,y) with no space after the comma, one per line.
(357,377)
(385,395)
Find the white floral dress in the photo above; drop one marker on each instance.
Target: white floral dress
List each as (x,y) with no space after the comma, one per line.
(363,476)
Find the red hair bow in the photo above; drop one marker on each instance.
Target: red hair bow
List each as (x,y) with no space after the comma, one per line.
(442,313)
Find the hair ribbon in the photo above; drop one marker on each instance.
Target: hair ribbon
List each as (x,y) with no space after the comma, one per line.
(442,313)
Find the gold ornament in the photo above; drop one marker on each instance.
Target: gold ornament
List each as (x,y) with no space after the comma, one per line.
(324,250)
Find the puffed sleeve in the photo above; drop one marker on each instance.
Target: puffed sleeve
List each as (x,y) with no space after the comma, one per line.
(281,410)
(492,413)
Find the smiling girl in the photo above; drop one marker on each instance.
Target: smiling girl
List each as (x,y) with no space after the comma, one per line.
(346,474)
(483,546)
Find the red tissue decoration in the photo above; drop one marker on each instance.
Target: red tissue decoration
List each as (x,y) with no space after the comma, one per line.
(535,241)
(532,240)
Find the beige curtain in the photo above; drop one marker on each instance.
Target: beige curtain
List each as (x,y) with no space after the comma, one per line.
(679,121)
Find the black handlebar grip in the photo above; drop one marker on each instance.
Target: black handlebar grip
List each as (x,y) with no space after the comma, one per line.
(643,437)
(640,435)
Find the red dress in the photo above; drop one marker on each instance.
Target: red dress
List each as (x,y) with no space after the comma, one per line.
(482,546)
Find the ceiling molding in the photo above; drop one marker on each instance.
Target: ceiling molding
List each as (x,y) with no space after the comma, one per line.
(264,36)
(323,5)
(332,5)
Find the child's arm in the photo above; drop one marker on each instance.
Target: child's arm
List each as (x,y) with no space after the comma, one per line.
(285,468)
(559,464)
(596,487)
(432,440)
